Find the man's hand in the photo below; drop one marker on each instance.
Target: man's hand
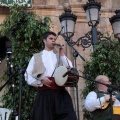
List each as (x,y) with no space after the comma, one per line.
(107,98)
(60,50)
(46,81)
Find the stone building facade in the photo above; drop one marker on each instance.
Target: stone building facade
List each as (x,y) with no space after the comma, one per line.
(53,9)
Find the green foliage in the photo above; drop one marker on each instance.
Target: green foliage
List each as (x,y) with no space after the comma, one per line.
(104,60)
(25,30)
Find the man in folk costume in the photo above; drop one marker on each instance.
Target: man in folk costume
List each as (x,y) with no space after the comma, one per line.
(52,102)
(97,102)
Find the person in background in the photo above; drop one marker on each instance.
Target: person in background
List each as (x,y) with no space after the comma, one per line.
(98,102)
(52,102)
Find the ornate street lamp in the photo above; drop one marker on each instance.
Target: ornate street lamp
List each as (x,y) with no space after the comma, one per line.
(92,10)
(68,21)
(115,22)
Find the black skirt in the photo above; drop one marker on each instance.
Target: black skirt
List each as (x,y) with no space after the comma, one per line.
(53,105)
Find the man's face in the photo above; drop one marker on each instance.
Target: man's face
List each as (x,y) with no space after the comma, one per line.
(105,80)
(49,42)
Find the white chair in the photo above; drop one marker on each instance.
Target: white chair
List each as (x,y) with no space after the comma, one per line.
(5,113)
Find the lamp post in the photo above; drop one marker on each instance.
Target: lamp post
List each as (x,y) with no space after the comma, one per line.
(115,22)
(68,20)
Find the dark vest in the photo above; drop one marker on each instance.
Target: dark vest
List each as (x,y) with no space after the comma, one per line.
(104,114)
(101,114)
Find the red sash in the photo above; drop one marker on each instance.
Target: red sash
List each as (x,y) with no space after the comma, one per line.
(53,85)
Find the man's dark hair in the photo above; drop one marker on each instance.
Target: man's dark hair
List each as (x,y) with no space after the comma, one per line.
(46,34)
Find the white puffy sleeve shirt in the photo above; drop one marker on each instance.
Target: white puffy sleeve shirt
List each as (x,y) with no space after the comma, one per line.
(92,103)
(50,62)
